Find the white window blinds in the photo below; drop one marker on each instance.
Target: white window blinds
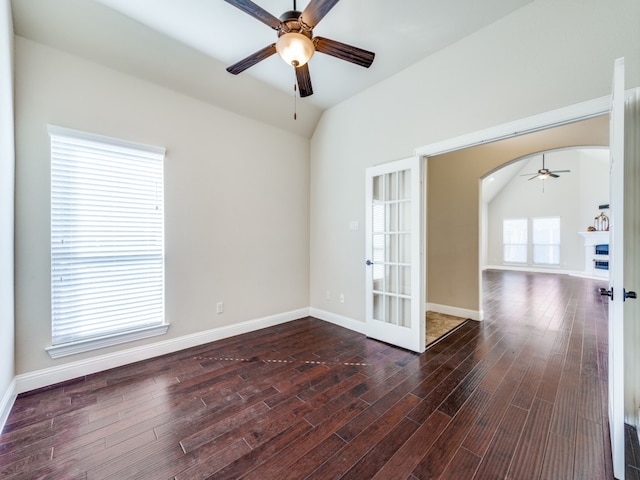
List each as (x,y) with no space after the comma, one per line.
(546,241)
(107,237)
(514,240)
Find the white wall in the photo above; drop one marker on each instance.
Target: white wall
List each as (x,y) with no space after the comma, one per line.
(236,198)
(574,197)
(547,55)
(7,368)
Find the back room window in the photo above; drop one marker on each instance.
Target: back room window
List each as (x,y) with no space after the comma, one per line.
(514,240)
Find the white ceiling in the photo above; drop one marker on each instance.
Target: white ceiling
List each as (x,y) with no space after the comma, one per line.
(493,183)
(200,38)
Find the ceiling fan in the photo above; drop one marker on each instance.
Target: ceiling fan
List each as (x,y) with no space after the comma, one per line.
(545,173)
(296,43)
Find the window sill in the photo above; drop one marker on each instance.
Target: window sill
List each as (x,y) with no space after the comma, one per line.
(73,348)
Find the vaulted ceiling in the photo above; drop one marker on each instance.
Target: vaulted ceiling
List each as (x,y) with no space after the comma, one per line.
(187,44)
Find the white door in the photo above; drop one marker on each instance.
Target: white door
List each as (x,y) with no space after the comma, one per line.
(394,246)
(616,273)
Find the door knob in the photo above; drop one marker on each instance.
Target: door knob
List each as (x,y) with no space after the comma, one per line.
(369,262)
(608,293)
(628,295)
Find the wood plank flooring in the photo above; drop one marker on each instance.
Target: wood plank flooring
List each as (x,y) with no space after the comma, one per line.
(521,395)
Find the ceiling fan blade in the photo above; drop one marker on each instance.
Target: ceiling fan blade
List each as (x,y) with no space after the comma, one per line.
(315,11)
(304,80)
(343,51)
(527,174)
(554,175)
(247,6)
(535,176)
(252,59)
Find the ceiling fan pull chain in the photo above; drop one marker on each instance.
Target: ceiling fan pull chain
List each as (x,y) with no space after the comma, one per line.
(295,102)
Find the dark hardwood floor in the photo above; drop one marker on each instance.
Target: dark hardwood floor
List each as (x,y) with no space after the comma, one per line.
(521,395)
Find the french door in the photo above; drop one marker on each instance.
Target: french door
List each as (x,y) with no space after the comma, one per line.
(616,272)
(394,245)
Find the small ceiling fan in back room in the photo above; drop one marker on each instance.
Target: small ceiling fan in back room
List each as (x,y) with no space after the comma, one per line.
(544,173)
(296,43)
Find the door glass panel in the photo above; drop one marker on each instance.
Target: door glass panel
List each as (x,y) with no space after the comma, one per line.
(391,310)
(405,312)
(391,250)
(378,245)
(404,185)
(392,217)
(404,216)
(404,287)
(378,307)
(378,192)
(378,217)
(391,279)
(404,248)
(391,186)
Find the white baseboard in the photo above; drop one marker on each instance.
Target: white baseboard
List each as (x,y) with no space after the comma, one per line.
(527,268)
(455,311)
(6,403)
(68,371)
(346,322)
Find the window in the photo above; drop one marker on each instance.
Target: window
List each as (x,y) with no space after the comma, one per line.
(514,240)
(107,241)
(546,240)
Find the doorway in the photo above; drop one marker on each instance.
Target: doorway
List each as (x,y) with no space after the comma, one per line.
(454,204)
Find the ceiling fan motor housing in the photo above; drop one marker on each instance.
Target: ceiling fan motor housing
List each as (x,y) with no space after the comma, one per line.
(291,24)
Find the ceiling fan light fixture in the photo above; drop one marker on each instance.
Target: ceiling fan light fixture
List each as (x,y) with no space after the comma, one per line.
(295,48)
(543,176)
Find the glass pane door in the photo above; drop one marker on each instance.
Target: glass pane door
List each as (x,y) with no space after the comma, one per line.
(393,251)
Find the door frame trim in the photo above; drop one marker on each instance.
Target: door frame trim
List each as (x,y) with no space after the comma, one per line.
(543,121)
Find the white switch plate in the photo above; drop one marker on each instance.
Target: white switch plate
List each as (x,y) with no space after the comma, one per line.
(354,225)
(219,307)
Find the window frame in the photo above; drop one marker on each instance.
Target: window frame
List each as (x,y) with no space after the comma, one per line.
(68,137)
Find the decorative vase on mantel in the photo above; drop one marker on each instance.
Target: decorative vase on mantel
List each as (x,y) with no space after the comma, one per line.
(601,222)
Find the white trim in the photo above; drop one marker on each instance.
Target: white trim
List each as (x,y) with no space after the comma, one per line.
(532,269)
(455,311)
(556,271)
(49,376)
(555,118)
(6,403)
(73,348)
(346,322)
(95,137)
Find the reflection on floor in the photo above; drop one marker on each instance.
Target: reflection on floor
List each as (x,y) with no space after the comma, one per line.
(439,324)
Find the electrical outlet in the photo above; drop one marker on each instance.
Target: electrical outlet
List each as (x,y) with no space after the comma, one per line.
(219,307)
(342,298)
(327,295)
